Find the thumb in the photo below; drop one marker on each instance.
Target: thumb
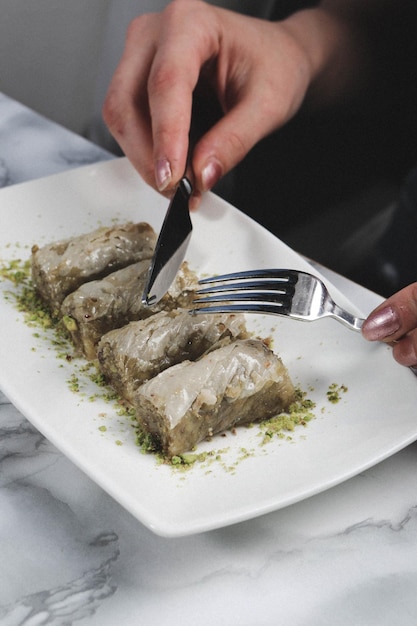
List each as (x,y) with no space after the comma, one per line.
(395,317)
(227,143)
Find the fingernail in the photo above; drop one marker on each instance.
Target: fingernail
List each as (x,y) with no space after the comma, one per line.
(195,200)
(381,324)
(211,174)
(163,174)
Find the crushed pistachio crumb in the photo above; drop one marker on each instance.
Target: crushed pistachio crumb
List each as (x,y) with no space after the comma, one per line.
(299,414)
(334,392)
(74,383)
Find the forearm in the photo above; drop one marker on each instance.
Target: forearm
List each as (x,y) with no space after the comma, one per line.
(336,44)
(348,42)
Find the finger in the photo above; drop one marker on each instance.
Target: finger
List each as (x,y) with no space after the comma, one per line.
(394,318)
(405,350)
(256,99)
(125,109)
(230,139)
(181,53)
(217,152)
(195,200)
(170,103)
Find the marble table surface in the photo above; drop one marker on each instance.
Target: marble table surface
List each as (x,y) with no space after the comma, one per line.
(71,555)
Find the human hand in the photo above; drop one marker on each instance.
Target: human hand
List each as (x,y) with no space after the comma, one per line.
(395,322)
(260,72)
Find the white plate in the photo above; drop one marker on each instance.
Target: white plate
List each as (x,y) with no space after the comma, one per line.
(374,418)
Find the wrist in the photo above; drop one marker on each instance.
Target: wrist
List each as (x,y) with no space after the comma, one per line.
(330,44)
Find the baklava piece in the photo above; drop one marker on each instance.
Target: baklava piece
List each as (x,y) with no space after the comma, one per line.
(61,267)
(99,306)
(240,383)
(137,352)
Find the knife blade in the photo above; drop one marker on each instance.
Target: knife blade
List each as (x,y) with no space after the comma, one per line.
(171,245)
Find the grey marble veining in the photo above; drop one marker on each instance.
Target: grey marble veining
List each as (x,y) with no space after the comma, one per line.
(71,555)
(32,146)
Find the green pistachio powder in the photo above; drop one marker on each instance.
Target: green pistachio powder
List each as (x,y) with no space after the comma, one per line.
(24,297)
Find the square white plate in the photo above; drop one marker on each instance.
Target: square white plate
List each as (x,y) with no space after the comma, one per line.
(375,418)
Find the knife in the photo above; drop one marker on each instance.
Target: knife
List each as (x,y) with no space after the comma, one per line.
(171,246)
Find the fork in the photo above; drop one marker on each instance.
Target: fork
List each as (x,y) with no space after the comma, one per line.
(290,293)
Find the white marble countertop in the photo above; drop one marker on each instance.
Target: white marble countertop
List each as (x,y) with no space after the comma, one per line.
(70,554)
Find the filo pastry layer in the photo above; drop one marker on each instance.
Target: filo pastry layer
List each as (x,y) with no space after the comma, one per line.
(99,306)
(240,383)
(140,350)
(61,267)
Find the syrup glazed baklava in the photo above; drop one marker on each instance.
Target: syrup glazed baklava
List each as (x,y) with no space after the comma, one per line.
(237,384)
(187,377)
(131,355)
(61,267)
(99,306)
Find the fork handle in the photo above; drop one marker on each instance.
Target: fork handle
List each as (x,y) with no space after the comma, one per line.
(346,318)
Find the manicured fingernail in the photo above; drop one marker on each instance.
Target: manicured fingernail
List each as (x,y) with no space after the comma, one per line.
(381,324)
(194,200)
(163,174)
(211,174)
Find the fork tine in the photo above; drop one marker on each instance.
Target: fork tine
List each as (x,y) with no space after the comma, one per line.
(264,291)
(251,307)
(281,299)
(273,286)
(274,274)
